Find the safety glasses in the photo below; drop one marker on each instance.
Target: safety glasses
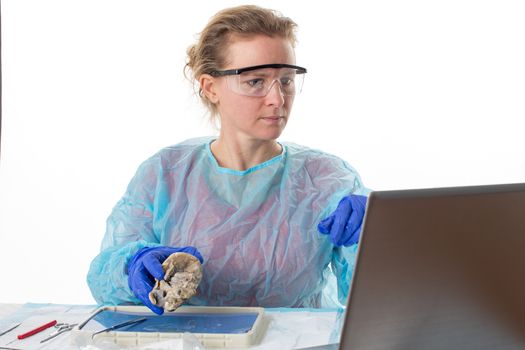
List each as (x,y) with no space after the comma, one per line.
(257,81)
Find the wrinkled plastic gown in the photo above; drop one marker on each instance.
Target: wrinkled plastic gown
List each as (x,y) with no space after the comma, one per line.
(256,229)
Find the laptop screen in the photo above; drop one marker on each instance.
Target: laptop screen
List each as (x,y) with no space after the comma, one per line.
(440,269)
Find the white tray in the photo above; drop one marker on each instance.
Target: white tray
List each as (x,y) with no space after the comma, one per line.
(209,340)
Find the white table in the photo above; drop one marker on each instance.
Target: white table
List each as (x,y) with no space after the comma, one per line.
(287,328)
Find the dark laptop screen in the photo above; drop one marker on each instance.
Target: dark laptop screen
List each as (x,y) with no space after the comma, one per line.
(440,269)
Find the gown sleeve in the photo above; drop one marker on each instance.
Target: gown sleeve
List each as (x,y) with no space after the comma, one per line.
(343,264)
(343,258)
(129,228)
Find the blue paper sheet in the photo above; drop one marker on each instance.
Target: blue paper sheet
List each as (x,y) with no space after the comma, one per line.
(224,323)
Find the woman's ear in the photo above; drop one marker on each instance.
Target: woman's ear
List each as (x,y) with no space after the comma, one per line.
(208,87)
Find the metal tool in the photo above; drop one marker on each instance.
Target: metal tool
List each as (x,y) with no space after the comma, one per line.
(10,329)
(80,326)
(120,325)
(60,328)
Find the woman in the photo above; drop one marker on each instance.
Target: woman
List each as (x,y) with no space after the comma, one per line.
(249,207)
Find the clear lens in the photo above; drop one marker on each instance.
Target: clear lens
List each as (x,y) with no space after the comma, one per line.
(259,82)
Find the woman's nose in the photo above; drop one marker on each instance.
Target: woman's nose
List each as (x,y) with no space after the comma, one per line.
(275,94)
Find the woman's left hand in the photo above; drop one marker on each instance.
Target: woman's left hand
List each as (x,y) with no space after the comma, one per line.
(344,224)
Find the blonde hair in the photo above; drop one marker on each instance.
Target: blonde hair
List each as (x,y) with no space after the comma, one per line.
(208,53)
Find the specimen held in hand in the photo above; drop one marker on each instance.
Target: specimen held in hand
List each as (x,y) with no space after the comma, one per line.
(182,275)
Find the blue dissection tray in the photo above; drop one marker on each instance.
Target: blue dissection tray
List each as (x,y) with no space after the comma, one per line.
(214,327)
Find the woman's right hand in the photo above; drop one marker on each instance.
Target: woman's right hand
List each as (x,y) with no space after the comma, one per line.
(146,266)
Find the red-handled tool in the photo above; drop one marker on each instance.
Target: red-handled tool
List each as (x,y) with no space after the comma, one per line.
(37,330)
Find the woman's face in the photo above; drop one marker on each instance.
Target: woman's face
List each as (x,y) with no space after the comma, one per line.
(256,118)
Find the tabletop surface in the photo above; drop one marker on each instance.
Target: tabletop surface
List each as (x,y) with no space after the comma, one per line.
(287,328)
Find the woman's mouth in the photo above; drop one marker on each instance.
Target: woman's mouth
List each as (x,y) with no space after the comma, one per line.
(273,119)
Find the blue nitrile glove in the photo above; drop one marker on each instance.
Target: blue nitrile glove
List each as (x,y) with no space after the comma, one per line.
(146,265)
(344,225)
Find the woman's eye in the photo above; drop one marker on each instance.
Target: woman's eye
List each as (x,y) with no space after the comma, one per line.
(255,82)
(286,81)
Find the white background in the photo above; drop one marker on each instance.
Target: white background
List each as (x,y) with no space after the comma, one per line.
(411,93)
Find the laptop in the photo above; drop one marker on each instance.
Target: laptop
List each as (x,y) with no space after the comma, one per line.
(440,269)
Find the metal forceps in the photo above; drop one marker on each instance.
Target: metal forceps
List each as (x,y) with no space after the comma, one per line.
(120,325)
(60,328)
